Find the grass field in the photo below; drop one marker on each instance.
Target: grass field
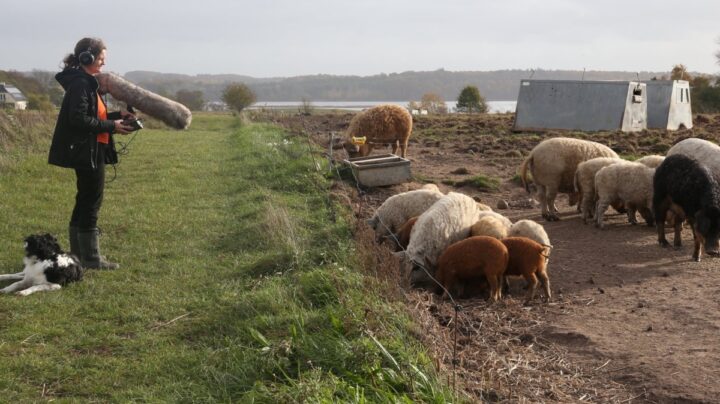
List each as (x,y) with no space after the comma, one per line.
(239,282)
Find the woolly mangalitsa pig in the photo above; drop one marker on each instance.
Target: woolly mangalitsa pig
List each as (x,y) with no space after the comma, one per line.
(447,221)
(585,184)
(398,209)
(652,161)
(471,259)
(627,182)
(528,259)
(383,124)
(490,226)
(553,163)
(532,230)
(402,237)
(688,188)
(704,152)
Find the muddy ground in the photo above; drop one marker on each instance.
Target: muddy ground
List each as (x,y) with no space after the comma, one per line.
(629,322)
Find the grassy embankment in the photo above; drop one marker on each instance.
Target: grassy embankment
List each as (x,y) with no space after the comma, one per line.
(22,132)
(236,284)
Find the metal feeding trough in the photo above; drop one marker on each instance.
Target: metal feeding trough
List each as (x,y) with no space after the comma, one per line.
(380,170)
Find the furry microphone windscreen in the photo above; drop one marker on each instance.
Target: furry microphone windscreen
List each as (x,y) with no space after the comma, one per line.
(172,113)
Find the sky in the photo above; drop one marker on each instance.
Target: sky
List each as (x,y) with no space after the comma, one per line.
(283,38)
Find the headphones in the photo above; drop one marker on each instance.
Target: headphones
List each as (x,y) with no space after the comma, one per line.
(86,57)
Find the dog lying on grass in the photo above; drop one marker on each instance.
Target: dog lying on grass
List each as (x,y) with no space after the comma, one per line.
(47,267)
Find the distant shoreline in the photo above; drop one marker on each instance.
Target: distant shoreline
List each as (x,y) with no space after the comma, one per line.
(494,106)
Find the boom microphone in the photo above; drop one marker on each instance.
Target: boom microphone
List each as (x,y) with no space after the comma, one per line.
(172,113)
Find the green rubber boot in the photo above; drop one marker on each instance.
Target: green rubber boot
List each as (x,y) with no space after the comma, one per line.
(89,245)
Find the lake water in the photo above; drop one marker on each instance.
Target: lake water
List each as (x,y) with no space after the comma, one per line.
(494,106)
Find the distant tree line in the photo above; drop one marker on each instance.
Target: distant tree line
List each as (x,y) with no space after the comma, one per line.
(406,86)
(431,88)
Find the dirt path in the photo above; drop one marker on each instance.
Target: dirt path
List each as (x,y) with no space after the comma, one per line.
(628,312)
(649,317)
(652,312)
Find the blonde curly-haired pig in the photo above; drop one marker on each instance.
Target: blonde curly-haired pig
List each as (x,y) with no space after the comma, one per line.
(553,163)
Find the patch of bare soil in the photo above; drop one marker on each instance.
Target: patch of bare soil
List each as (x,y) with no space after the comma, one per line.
(630,321)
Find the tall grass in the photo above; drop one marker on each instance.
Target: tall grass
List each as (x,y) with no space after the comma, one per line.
(23,131)
(236,283)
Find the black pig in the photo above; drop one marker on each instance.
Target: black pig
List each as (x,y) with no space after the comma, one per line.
(687,187)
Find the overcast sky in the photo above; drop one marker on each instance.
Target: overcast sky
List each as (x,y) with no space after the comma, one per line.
(271,38)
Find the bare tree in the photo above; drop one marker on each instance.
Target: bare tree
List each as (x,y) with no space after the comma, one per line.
(679,72)
(433,103)
(306,107)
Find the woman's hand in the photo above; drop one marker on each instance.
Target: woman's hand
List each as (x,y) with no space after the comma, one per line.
(122,128)
(128,116)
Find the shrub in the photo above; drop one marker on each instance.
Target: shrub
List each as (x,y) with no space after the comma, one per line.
(40,102)
(706,99)
(483,183)
(470,101)
(238,96)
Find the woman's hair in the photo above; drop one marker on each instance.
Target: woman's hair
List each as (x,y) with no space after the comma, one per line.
(93,45)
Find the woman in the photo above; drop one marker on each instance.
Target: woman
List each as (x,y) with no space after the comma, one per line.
(83,141)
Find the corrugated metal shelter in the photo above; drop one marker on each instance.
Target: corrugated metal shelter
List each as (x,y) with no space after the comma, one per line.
(668,104)
(581,105)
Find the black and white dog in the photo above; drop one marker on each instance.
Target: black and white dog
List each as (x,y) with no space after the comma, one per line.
(47,267)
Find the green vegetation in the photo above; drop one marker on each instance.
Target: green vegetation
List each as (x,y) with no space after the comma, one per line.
(706,98)
(517,180)
(22,132)
(40,102)
(236,283)
(525,138)
(470,101)
(238,96)
(630,157)
(481,182)
(705,89)
(424,179)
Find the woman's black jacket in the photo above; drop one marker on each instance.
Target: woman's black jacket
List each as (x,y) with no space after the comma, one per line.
(74,143)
